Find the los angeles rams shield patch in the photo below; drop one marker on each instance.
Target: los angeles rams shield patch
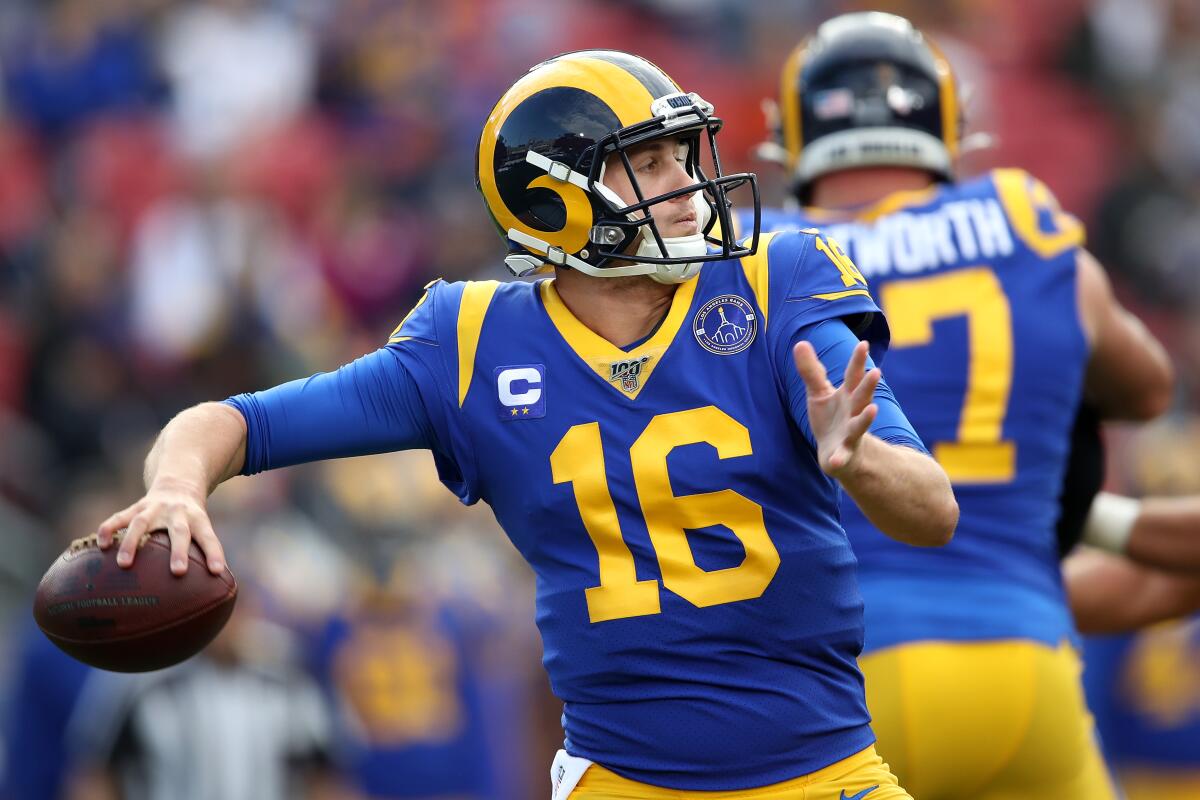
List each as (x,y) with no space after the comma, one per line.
(725,325)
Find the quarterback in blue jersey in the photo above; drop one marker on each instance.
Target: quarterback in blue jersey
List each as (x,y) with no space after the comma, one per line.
(663,429)
(1001,324)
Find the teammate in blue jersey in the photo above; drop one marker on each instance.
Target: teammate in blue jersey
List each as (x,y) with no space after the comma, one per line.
(663,429)
(1001,323)
(1145,692)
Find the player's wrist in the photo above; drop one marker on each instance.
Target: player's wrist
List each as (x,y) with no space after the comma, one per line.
(169,483)
(1110,522)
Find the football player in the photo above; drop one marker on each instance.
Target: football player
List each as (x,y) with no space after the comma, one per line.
(1139,562)
(661,429)
(1145,693)
(1001,323)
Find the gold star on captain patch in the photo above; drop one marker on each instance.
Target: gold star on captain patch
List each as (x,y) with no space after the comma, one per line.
(514,412)
(524,410)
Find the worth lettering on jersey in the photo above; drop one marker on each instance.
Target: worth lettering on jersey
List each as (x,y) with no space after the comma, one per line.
(911,242)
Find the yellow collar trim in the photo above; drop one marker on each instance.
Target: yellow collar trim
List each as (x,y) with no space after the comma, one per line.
(600,354)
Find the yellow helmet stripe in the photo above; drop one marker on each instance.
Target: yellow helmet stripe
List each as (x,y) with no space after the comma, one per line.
(949,97)
(789,99)
(622,92)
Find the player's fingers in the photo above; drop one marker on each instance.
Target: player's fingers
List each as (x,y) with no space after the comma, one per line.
(130,539)
(108,528)
(206,538)
(181,537)
(865,390)
(860,424)
(811,370)
(854,369)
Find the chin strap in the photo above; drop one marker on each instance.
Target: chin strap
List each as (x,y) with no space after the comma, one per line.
(692,246)
(521,264)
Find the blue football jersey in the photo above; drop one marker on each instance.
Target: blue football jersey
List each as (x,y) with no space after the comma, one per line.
(696,593)
(1144,690)
(417,703)
(977,280)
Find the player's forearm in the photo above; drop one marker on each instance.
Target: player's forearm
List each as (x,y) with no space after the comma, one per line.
(904,493)
(1110,594)
(198,449)
(1166,534)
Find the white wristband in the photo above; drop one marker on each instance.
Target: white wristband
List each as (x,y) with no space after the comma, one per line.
(1110,522)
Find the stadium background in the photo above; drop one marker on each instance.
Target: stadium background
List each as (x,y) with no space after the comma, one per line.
(199,198)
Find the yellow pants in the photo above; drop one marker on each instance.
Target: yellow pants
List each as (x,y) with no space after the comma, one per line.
(1000,720)
(849,779)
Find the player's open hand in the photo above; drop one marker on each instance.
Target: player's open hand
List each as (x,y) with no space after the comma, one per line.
(175,508)
(838,417)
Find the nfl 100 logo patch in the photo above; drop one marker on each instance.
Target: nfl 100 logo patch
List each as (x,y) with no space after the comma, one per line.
(627,373)
(521,391)
(725,325)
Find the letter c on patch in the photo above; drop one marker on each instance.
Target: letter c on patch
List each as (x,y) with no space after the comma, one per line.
(526,378)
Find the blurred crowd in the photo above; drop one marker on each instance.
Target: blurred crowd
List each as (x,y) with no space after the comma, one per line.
(202,197)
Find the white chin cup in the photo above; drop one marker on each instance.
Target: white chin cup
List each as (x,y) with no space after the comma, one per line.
(692,246)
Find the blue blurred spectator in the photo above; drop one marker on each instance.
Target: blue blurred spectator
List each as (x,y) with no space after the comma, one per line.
(38,703)
(433,703)
(1145,693)
(81,60)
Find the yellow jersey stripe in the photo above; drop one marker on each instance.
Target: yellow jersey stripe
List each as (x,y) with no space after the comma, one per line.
(395,337)
(476,298)
(840,295)
(757,276)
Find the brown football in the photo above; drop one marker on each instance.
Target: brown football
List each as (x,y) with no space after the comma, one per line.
(136,619)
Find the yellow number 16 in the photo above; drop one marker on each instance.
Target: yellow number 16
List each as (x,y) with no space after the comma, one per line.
(579,460)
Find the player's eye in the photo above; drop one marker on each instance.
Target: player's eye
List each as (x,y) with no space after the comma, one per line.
(648,166)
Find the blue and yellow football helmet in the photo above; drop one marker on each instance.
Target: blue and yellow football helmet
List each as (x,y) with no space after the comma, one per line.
(541,161)
(867,89)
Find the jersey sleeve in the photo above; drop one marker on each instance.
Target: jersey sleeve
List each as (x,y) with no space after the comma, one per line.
(437,338)
(371,405)
(834,343)
(1035,215)
(396,398)
(810,279)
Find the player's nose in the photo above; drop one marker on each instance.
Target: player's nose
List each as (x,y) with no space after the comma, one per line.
(679,179)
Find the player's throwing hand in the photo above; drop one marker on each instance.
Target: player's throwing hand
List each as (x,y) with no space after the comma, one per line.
(178,510)
(838,417)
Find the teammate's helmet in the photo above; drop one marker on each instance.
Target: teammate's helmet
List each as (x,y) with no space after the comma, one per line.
(541,160)
(868,89)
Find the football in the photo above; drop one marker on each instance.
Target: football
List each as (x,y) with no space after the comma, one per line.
(131,620)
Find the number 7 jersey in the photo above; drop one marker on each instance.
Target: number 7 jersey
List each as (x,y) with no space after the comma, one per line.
(695,590)
(978,281)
